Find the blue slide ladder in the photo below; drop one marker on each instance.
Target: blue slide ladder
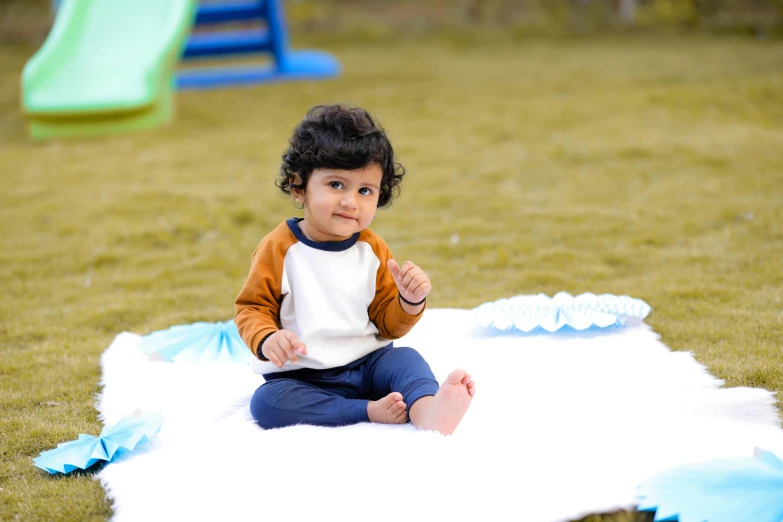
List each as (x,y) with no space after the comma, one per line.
(271,38)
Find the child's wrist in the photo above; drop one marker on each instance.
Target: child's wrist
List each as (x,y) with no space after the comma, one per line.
(412,304)
(260,349)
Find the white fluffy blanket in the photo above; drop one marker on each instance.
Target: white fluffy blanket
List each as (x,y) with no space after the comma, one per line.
(562,425)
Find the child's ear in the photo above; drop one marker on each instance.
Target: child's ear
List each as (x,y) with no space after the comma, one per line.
(296,193)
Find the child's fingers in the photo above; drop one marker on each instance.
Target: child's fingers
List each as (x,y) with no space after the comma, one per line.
(419,293)
(412,273)
(270,350)
(296,345)
(275,358)
(420,287)
(394,268)
(407,271)
(410,279)
(287,346)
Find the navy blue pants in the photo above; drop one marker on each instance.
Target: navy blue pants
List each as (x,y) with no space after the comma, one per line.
(339,396)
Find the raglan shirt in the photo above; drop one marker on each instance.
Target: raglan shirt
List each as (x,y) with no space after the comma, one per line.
(338,297)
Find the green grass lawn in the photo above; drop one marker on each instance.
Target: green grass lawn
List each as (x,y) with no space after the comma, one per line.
(652,168)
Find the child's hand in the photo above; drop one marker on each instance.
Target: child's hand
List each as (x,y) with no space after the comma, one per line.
(412,282)
(282,346)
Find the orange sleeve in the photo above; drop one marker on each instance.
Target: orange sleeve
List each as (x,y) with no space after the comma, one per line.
(258,303)
(385,310)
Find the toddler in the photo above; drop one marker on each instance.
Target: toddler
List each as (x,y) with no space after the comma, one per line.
(324,297)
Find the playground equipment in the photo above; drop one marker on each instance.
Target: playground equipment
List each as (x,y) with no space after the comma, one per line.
(105,67)
(108,66)
(270,38)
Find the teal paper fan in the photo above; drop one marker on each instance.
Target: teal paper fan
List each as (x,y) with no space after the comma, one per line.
(197,342)
(529,312)
(720,490)
(124,437)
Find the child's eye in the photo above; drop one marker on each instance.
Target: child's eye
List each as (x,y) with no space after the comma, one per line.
(364,191)
(336,184)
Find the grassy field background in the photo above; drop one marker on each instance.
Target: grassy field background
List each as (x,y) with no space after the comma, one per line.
(652,168)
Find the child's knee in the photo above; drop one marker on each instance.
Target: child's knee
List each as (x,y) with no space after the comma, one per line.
(409,354)
(262,407)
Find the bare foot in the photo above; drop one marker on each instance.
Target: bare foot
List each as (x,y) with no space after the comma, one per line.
(444,411)
(389,410)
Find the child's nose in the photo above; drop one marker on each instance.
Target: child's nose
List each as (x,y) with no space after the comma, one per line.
(349,201)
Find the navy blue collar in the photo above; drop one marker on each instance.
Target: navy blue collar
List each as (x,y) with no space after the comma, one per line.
(329,246)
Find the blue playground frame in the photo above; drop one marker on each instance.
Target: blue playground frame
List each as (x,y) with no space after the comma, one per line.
(286,64)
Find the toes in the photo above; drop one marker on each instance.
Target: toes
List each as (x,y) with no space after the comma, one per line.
(390,400)
(466,379)
(395,402)
(456,376)
(470,384)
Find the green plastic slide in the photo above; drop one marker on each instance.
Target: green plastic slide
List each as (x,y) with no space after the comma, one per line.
(106,66)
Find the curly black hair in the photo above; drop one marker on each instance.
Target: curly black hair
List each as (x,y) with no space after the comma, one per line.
(344,138)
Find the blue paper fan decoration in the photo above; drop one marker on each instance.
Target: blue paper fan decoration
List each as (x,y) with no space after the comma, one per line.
(527,312)
(198,342)
(721,490)
(130,432)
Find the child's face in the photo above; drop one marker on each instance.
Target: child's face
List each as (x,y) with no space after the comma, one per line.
(339,203)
